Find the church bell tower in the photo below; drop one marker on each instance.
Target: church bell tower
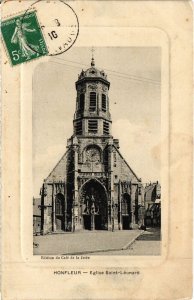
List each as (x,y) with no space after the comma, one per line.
(90,147)
(92,117)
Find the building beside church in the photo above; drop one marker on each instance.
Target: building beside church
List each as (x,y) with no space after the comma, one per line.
(152,204)
(92,187)
(36,216)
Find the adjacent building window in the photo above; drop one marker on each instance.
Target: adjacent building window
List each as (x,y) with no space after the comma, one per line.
(105,127)
(92,101)
(78,128)
(82,102)
(92,126)
(103,102)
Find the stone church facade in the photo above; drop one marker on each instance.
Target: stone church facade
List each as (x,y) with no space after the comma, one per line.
(92,187)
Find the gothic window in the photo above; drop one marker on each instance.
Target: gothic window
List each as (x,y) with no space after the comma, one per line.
(92,126)
(124,208)
(92,101)
(59,204)
(126,204)
(105,128)
(58,207)
(82,102)
(78,128)
(103,102)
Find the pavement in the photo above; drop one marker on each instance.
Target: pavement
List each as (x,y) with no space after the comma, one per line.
(84,242)
(148,243)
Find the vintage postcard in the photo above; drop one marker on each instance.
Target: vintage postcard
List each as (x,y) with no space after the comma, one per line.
(96,149)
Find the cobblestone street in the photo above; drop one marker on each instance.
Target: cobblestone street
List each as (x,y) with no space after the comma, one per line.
(99,243)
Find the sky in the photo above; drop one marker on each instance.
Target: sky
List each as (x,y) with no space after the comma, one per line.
(135,106)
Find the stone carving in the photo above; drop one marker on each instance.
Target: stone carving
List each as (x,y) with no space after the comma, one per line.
(81,88)
(92,86)
(59,187)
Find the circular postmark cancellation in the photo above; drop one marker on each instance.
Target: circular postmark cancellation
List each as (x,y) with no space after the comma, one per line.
(59,25)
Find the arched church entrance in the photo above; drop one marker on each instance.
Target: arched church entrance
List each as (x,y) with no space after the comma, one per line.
(94,206)
(126,211)
(59,211)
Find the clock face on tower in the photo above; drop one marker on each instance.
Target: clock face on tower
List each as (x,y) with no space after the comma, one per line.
(93,154)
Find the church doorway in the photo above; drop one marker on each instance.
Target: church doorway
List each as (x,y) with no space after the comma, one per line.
(98,222)
(59,211)
(59,223)
(87,222)
(126,211)
(126,223)
(94,206)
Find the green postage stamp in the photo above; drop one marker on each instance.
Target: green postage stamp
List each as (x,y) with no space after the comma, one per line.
(23,38)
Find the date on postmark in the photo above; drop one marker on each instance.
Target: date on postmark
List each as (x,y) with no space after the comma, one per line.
(23,38)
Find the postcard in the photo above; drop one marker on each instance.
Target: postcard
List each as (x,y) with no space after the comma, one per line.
(96,149)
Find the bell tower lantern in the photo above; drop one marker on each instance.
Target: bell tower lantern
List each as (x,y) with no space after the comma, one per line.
(92,116)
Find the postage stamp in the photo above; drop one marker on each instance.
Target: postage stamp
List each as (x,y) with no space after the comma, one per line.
(23,38)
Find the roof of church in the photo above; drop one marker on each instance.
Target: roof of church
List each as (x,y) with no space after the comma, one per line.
(92,72)
(137,178)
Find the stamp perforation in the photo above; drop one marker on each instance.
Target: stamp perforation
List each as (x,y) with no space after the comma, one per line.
(18,14)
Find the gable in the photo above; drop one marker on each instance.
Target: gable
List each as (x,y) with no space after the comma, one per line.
(122,168)
(59,171)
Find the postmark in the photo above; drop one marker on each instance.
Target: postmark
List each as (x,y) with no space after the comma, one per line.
(60,26)
(23,38)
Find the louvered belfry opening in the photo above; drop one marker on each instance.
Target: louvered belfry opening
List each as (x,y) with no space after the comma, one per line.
(92,126)
(78,127)
(105,128)
(92,101)
(104,102)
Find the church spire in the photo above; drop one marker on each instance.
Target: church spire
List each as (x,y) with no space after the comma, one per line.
(92,62)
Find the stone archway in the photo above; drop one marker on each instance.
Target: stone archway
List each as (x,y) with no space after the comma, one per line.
(94,208)
(126,211)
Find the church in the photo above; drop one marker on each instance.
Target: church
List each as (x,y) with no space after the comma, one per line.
(92,187)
